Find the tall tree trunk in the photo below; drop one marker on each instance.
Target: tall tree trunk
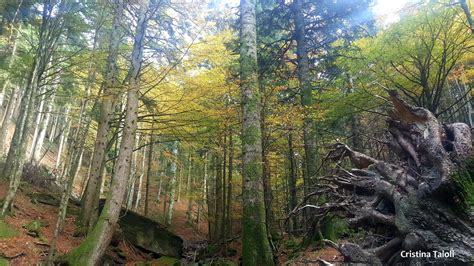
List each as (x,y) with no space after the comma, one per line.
(204,190)
(256,247)
(229,187)
(189,183)
(47,45)
(309,137)
(62,139)
(7,118)
(37,126)
(93,248)
(161,175)
(169,214)
(224,192)
(292,181)
(91,197)
(267,182)
(12,58)
(211,200)
(38,144)
(218,197)
(140,180)
(148,173)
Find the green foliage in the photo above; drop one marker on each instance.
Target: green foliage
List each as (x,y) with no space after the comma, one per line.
(6,230)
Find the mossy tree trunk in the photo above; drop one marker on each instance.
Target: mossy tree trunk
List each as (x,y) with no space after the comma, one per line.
(93,248)
(90,201)
(255,244)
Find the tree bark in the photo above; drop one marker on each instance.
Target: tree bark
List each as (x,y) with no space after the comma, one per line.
(91,196)
(38,144)
(169,215)
(93,248)
(229,187)
(255,245)
(7,118)
(149,173)
(47,45)
(303,71)
(292,181)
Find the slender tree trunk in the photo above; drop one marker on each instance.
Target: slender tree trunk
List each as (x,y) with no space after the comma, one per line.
(204,190)
(224,192)
(17,151)
(93,248)
(292,180)
(211,201)
(180,181)
(6,120)
(160,183)
(12,58)
(63,138)
(38,144)
(218,198)
(47,45)
(148,174)
(91,195)
(229,187)
(309,137)
(37,126)
(169,215)
(189,183)
(267,184)
(255,245)
(140,181)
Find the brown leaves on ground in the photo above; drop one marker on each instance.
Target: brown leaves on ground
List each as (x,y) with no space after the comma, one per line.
(24,249)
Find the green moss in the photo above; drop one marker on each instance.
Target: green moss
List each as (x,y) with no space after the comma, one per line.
(3,262)
(166,261)
(34,227)
(7,230)
(463,180)
(80,255)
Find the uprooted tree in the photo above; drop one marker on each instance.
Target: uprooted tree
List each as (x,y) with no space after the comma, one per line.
(415,202)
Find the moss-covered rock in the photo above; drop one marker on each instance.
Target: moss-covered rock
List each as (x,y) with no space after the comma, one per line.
(44,198)
(150,235)
(7,230)
(34,227)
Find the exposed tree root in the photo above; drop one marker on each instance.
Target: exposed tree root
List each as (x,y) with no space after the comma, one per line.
(409,199)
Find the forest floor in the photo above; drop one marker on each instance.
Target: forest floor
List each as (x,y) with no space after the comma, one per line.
(24,249)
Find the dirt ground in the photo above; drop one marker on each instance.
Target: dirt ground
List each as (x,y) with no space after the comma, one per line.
(24,249)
